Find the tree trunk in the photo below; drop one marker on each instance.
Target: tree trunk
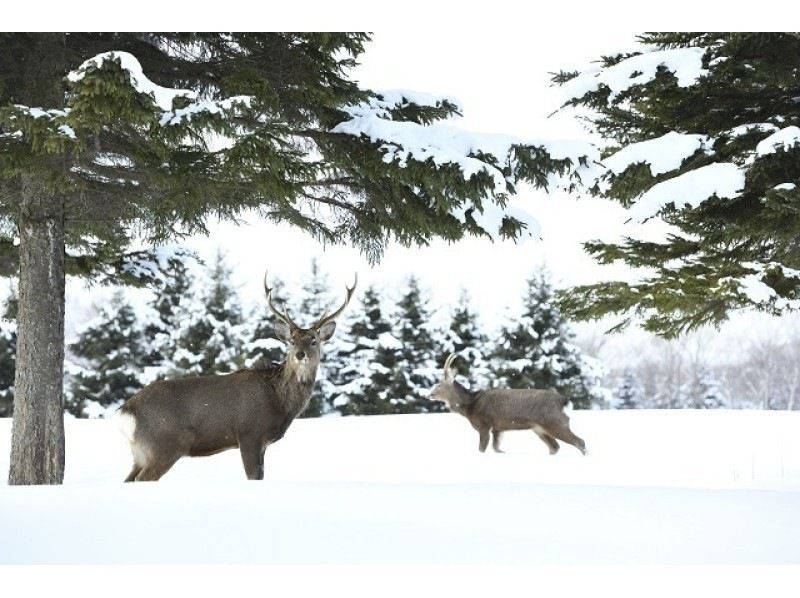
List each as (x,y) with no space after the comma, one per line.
(37,441)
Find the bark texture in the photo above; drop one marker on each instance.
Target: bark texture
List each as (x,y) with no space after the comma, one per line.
(37,441)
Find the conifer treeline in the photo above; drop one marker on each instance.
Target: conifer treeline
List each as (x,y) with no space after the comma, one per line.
(384,357)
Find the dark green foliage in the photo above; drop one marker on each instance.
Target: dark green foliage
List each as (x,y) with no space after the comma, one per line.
(127,164)
(420,356)
(362,385)
(536,349)
(170,293)
(211,338)
(110,356)
(751,79)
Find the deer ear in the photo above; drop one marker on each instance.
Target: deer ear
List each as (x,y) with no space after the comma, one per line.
(282,331)
(326,331)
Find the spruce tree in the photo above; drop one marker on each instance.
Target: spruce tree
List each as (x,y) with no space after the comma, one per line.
(210,340)
(8,347)
(537,350)
(420,354)
(108,359)
(370,352)
(705,391)
(171,294)
(466,338)
(105,137)
(628,395)
(701,131)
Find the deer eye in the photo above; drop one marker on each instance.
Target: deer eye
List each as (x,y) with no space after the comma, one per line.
(314,343)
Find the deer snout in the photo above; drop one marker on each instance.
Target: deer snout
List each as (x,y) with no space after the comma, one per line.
(301,355)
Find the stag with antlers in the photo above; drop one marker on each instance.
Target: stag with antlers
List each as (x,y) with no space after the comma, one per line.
(249,409)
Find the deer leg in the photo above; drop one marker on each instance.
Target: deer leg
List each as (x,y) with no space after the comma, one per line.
(484,439)
(134,472)
(496,435)
(154,471)
(548,440)
(562,432)
(252,458)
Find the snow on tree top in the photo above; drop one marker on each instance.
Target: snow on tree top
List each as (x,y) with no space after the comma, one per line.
(661,154)
(445,144)
(784,139)
(685,63)
(389,99)
(163,96)
(175,117)
(725,180)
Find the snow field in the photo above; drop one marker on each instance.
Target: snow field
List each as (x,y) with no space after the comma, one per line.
(658,487)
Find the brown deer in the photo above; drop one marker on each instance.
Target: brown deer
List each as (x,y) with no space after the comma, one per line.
(249,409)
(496,410)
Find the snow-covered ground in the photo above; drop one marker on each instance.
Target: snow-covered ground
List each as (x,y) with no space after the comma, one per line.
(658,487)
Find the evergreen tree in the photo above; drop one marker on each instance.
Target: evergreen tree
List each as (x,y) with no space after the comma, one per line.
(264,348)
(8,348)
(705,391)
(370,352)
(109,356)
(628,394)
(106,136)
(466,338)
(702,132)
(420,355)
(210,340)
(171,294)
(536,350)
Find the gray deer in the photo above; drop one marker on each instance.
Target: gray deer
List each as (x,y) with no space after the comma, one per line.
(249,409)
(496,410)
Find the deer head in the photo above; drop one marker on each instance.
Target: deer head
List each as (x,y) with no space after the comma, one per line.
(449,391)
(303,344)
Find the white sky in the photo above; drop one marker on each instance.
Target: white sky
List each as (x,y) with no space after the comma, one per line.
(502,81)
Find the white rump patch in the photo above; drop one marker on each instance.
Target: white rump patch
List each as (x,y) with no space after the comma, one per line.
(126,424)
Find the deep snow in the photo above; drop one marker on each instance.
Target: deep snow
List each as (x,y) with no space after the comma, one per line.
(658,487)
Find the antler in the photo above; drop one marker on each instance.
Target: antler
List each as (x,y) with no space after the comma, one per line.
(448,375)
(282,316)
(325,318)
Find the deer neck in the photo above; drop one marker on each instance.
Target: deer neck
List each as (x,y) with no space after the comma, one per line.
(295,387)
(464,399)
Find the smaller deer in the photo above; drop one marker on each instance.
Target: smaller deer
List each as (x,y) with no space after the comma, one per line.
(497,410)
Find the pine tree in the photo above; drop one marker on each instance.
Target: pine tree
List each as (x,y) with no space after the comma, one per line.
(210,340)
(420,355)
(370,356)
(171,294)
(466,338)
(536,350)
(628,394)
(264,348)
(108,136)
(8,348)
(108,358)
(702,132)
(705,391)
